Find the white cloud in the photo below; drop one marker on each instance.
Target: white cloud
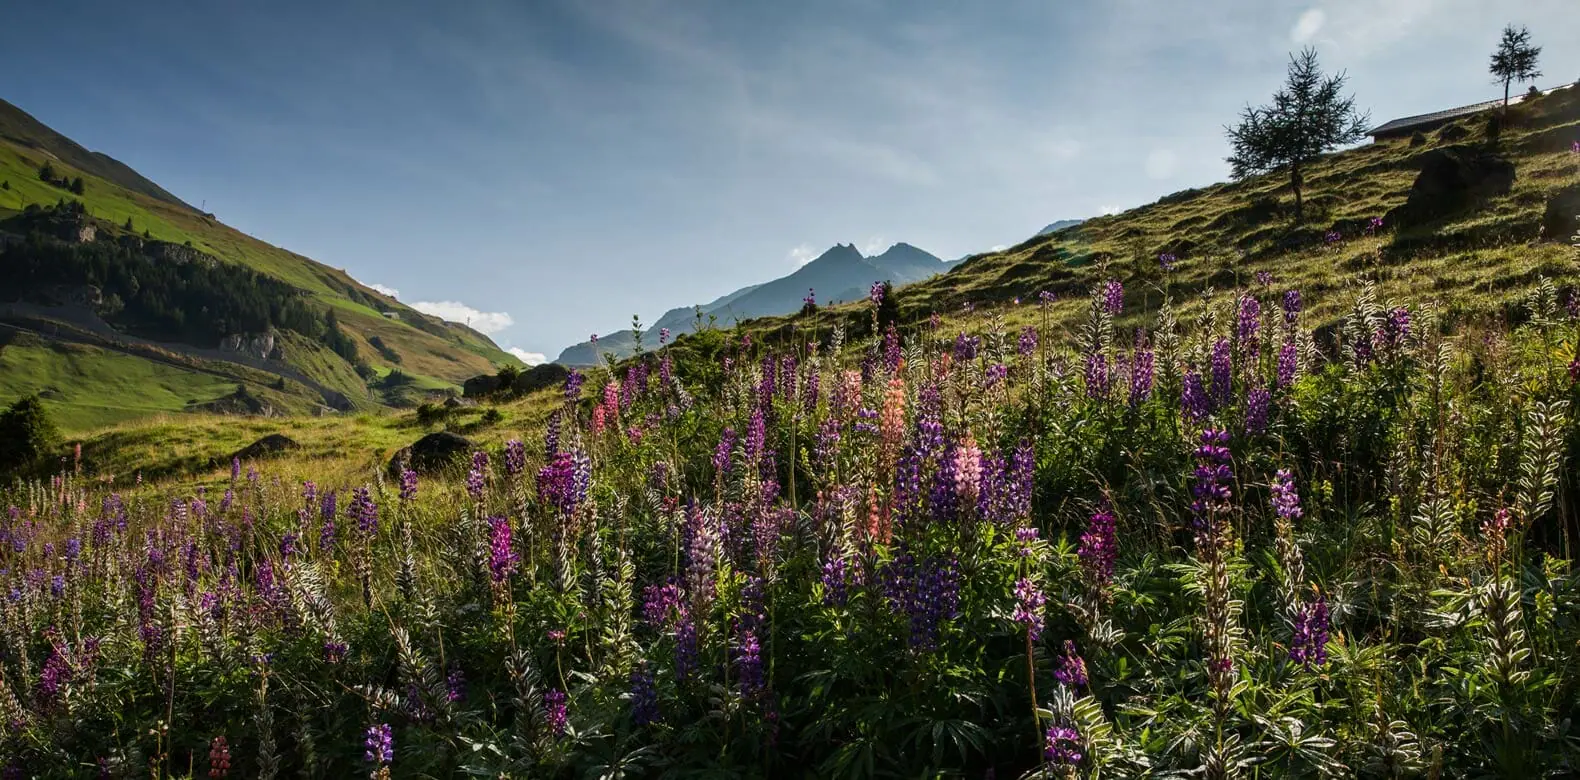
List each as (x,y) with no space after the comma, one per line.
(1161,163)
(530,358)
(802,255)
(1307,27)
(1110,210)
(486,322)
(383,289)
(999,247)
(874,245)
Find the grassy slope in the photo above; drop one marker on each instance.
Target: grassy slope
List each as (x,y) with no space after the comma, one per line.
(440,354)
(1471,265)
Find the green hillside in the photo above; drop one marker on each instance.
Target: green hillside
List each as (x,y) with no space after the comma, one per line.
(436,354)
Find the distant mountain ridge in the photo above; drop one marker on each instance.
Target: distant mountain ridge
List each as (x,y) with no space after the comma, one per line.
(1060,225)
(840,274)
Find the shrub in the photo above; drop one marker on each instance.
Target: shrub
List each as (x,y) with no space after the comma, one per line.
(27,435)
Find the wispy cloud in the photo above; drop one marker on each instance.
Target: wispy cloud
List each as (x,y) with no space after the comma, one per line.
(802,254)
(873,246)
(485,322)
(530,358)
(383,289)
(1307,26)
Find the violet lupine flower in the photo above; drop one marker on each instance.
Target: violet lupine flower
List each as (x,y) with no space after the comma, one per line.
(810,299)
(834,581)
(723,452)
(685,646)
(891,349)
(1113,297)
(364,511)
(1097,376)
(943,499)
(1249,320)
(1166,261)
(554,704)
(1285,499)
(477,476)
(1309,644)
(1141,368)
(996,373)
(379,744)
(1395,329)
(573,383)
(756,437)
(1062,746)
(1194,403)
(1027,343)
(1264,278)
(826,443)
(660,603)
(1222,373)
(1288,365)
(1333,237)
(644,696)
(927,591)
(966,347)
(502,556)
(326,533)
(749,665)
(563,483)
(1291,307)
(1374,225)
(515,457)
(1029,601)
(235,469)
(1071,669)
(334,652)
(455,685)
(1256,403)
(663,336)
(875,294)
(408,484)
(1213,475)
(287,546)
(1021,481)
(1099,547)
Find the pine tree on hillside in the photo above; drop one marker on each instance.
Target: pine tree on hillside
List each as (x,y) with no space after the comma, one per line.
(46,172)
(26,434)
(77,186)
(1515,60)
(1308,117)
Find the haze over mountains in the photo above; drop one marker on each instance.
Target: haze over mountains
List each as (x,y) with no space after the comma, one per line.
(840,274)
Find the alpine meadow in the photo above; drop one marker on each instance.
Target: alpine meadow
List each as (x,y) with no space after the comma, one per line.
(1276,477)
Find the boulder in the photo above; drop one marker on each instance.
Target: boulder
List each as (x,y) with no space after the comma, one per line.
(1453,133)
(433,452)
(479,386)
(1561,221)
(1452,179)
(266,447)
(1417,139)
(541,376)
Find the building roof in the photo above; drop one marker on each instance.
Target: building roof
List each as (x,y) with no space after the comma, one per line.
(1437,117)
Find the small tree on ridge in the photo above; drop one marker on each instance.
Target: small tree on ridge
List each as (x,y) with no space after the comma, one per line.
(1515,60)
(1308,116)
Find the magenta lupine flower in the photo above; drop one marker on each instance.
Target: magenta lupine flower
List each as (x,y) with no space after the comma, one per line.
(1029,601)
(968,470)
(1113,297)
(554,705)
(1374,225)
(1097,376)
(1309,644)
(1062,746)
(1194,403)
(408,485)
(1256,403)
(563,483)
(515,457)
(1285,499)
(1099,547)
(1222,373)
(1291,307)
(1071,669)
(1141,368)
(379,744)
(502,556)
(1288,365)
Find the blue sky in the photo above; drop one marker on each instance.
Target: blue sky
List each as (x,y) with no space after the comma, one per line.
(548,169)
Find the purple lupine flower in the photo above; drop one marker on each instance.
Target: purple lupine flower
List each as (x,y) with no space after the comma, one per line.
(660,602)
(1141,368)
(1288,365)
(1071,669)
(334,652)
(1374,225)
(1020,481)
(1097,376)
(1099,547)
(756,437)
(1027,345)
(749,665)
(1194,402)
(996,373)
(235,469)
(1249,319)
(944,498)
(1029,601)
(502,556)
(1395,329)
(288,545)
(1213,474)
(1256,403)
(1222,373)
(644,696)
(663,336)
(723,452)
(326,533)
(1285,499)
(554,704)
(1047,296)
(1062,746)
(1264,278)
(685,646)
(477,476)
(455,685)
(1291,307)
(1166,261)
(826,443)
(364,511)
(927,591)
(875,294)
(515,457)
(573,383)
(810,299)
(834,580)
(1113,297)
(966,347)
(1333,237)
(1309,644)
(408,485)
(892,353)
(379,744)
(563,483)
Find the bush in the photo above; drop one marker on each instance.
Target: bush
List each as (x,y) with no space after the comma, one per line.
(26,435)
